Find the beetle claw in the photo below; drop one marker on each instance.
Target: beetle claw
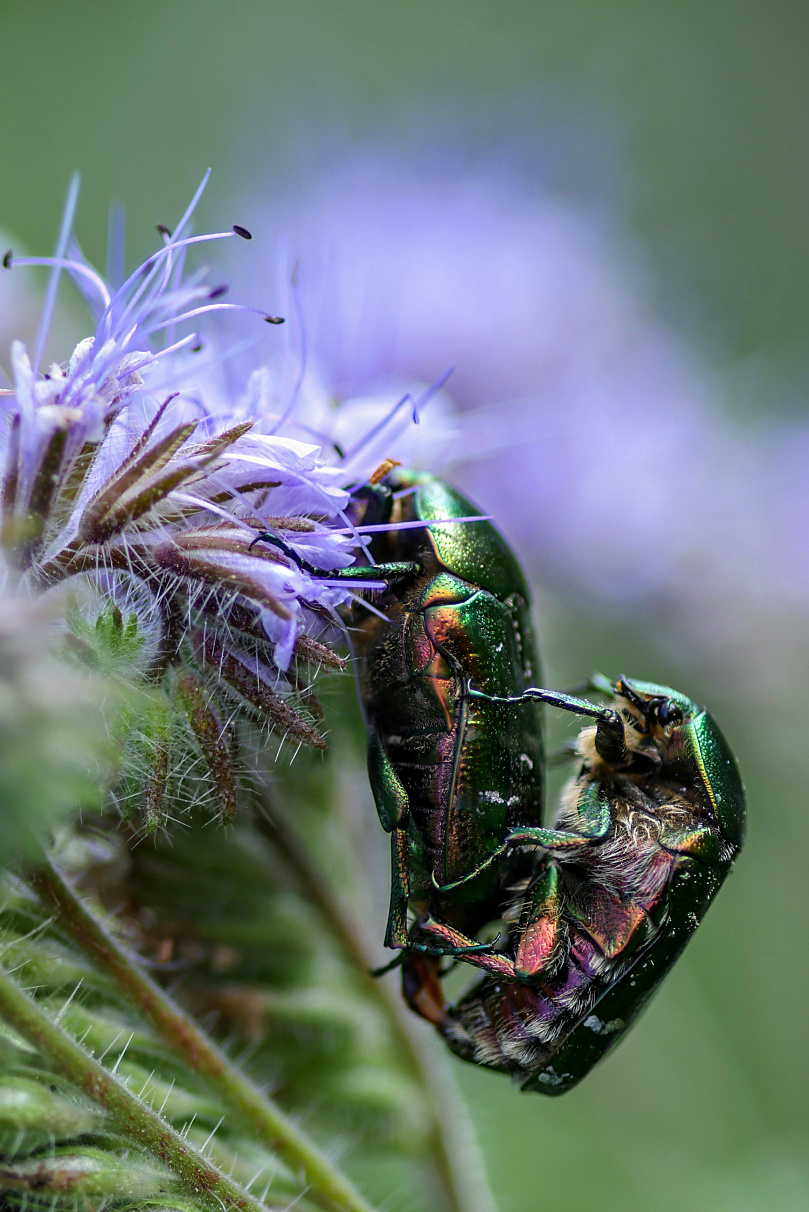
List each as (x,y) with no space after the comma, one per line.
(263,537)
(396,962)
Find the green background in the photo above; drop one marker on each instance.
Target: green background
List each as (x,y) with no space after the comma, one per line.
(695,115)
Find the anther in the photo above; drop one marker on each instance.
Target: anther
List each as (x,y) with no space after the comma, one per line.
(7,258)
(164,231)
(196,348)
(218,291)
(242,231)
(274,320)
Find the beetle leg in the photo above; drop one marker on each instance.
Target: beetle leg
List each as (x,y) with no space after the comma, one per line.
(698,843)
(396,933)
(538,934)
(609,740)
(471,875)
(395,571)
(549,839)
(554,698)
(539,927)
(591,807)
(464,948)
(393,808)
(421,987)
(384,969)
(545,839)
(594,808)
(390,797)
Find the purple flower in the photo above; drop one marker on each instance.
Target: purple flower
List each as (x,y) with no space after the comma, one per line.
(584,425)
(135,483)
(119,459)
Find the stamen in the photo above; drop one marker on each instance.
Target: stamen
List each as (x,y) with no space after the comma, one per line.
(418,405)
(116,245)
(381,527)
(75,267)
(293,399)
(337,583)
(151,265)
(53,284)
(194,336)
(176,281)
(201,311)
(192,205)
(371,433)
(369,606)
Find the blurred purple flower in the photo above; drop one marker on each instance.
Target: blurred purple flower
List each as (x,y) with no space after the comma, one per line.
(587,428)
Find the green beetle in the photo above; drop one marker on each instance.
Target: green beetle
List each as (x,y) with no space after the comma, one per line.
(646,833)
(599,906)
(451,776)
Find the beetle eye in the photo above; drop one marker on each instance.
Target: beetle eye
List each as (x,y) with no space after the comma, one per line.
(669,713)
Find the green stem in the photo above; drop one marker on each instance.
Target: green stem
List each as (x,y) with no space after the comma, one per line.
(463,1183)
(132,1117)
(452,1144)
(325,1185)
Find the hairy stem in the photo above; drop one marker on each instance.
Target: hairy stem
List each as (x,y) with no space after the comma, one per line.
(325,1185)
(132,1117)
(463,1183)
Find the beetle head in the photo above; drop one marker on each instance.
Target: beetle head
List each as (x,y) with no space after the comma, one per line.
(689,745)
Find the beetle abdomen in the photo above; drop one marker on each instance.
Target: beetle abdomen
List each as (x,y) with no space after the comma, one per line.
(549,1032)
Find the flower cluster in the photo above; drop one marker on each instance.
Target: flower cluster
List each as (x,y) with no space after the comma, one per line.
(171,553)
(133,491)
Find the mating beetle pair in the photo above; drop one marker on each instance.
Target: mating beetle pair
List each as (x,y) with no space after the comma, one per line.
(597,908)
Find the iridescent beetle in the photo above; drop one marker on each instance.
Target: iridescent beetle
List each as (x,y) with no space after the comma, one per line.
(600,905)
(451,775)
(647,831)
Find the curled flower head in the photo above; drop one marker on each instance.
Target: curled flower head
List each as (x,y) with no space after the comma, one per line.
(134,489)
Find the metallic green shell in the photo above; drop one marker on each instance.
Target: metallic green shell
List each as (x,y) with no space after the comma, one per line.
(607,1022)
(721,777)
(468,770)
(474,551)
(707,755)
